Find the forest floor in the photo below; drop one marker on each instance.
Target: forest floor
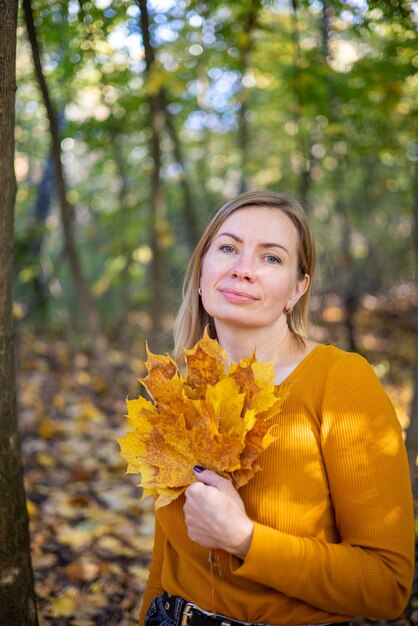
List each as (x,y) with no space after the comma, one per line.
(91,537)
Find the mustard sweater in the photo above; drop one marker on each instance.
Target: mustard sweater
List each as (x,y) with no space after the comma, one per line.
(332,506)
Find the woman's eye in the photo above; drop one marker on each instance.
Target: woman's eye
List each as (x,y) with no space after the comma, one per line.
(228,249)
(270,258)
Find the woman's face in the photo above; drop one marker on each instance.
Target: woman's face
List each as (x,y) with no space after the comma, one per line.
(249,274)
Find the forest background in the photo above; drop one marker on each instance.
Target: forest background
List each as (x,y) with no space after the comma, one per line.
(133,122)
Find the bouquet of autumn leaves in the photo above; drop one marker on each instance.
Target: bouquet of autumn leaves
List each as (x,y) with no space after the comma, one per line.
(218,419)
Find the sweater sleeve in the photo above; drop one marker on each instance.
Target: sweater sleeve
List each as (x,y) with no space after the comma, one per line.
(369,573)
(153,587)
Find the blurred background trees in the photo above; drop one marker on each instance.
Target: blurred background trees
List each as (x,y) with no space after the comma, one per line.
(165,109)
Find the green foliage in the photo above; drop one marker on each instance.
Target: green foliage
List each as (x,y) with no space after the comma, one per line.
(328,91)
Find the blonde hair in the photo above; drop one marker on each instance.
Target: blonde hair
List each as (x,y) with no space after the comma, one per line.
(192,318)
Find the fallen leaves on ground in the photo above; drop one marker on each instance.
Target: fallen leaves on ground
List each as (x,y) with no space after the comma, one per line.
(91,539)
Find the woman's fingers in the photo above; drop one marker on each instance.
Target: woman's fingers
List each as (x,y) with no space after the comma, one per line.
(215,514)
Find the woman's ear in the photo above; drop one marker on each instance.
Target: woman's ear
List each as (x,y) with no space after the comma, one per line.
(304,284)
(300,288)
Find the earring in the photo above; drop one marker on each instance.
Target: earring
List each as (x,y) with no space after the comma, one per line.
(289,311)
(199,291)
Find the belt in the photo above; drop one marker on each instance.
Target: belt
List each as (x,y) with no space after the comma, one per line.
(185,613)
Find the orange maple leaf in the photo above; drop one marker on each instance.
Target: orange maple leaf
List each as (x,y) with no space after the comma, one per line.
(218,419)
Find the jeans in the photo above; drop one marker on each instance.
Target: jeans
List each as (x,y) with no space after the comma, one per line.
(156,615)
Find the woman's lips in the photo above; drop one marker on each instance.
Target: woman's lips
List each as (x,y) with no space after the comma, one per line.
(237,296)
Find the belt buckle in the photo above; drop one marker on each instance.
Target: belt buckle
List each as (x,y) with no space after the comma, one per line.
(187,613)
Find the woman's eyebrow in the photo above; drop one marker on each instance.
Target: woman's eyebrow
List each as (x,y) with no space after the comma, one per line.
(229,235)
(274,245)
(262,245)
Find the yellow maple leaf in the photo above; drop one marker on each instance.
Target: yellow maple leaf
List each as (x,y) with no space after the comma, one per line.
(218,419)
(206,364)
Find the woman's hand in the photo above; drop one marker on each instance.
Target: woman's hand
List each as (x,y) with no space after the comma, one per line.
(215,515)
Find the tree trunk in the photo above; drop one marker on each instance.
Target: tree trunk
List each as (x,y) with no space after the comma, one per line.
(89,313)
(38,295)
(191,229)
(156,119)
(250,21)
(122,328)
(17,596)
(412,432)
(303,147)
(350,283)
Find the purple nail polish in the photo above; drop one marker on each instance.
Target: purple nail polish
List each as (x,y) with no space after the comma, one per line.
(198,469)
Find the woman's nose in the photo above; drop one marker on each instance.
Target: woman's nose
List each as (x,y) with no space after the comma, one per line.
(243,270)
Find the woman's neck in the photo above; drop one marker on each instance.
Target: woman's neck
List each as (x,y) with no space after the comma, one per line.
(274,345)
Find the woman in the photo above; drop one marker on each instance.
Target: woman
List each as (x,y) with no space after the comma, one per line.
(325,532)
